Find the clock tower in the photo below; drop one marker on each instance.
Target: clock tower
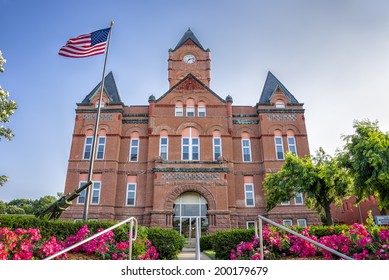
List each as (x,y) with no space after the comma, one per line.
(189,56)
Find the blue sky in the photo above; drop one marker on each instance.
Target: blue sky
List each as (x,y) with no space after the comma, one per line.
(333,56)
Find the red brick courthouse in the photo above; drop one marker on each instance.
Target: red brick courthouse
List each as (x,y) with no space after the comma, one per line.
(188,153)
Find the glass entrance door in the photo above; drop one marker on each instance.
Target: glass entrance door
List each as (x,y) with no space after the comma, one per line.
(187,208)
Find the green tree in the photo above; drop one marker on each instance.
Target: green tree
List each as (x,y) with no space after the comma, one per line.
(3,207)
(26,204)
(7,108)
(12,209)
(366,154)
(321,179)
(43,203)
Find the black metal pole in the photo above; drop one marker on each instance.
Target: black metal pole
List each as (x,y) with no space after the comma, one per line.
(93,152)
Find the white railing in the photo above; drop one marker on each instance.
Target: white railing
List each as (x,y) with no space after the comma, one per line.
(133,222)
(260,236)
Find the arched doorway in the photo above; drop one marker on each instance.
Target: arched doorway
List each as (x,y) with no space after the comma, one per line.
(187,207)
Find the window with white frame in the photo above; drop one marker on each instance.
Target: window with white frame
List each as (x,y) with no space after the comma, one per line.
(249,195)
(286,202)
(279,147)
(190,111)
(134,149)
(179,111)
(88,147)
(131,194)
(250,224)
(100,147)
(217,147)
(163,147)
(246,150)
(190,145)
(287,222)
(301,222)
(298,199)
(94,194)
(292,145)
(280,104)
(201,111)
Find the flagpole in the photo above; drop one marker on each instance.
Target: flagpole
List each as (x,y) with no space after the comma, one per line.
(93,152)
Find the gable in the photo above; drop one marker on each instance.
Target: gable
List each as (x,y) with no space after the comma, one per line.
(190,83)
(274,87)
(110,90)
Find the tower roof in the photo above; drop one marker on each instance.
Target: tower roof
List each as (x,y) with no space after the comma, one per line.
(109,87)
(271,85)
(189,35)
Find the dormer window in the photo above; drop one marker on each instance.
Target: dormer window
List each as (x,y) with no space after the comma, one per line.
(280,104)
(101,104)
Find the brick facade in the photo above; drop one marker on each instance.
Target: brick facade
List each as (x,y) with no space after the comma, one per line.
(161,172)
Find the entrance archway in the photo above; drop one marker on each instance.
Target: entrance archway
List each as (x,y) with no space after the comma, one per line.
(187,208)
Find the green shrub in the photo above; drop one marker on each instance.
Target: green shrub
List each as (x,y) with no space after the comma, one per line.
(206,242)
(320,231)
(225,241)
(168,242)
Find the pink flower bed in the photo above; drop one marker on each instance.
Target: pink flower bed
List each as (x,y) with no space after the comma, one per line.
(357,243)
(23,244)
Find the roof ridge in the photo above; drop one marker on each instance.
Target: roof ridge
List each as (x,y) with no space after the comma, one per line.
(109,87)
(269,88)
(189,35)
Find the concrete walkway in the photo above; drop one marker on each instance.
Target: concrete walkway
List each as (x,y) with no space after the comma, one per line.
(190,254)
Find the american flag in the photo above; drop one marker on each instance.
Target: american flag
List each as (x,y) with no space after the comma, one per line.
(86,45)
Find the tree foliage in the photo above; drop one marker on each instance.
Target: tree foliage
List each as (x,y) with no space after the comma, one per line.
(7,108)
(366,154)
(26,206)
(321,178)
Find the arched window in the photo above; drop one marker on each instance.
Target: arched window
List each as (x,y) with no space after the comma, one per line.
(190,107)
(190,144)
(217,144)
(134,146)
(164,145)
(179,111)
(201,109)
(279,145)
(291,142)
(246,147)
(280,103)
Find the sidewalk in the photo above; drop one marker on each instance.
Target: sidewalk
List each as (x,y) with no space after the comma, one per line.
(190,254)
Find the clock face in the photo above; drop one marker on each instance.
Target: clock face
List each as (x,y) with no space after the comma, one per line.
(189,58)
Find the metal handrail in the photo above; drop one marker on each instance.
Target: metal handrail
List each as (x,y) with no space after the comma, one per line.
(260,236)
(132,238)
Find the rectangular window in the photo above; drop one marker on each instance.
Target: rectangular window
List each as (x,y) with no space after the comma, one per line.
(301,222)
(88,147)
(279,147)
(101,148)
(292,145)
(249,195)
(217,147)
(287,223)
(246,149)
(131,194)
(201,111)
(190,111)
(94,193)
(190,149)
(286,202)
(163,147)
(250,224)
(179,111)
(134,149)
(298,199)
(82,196)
